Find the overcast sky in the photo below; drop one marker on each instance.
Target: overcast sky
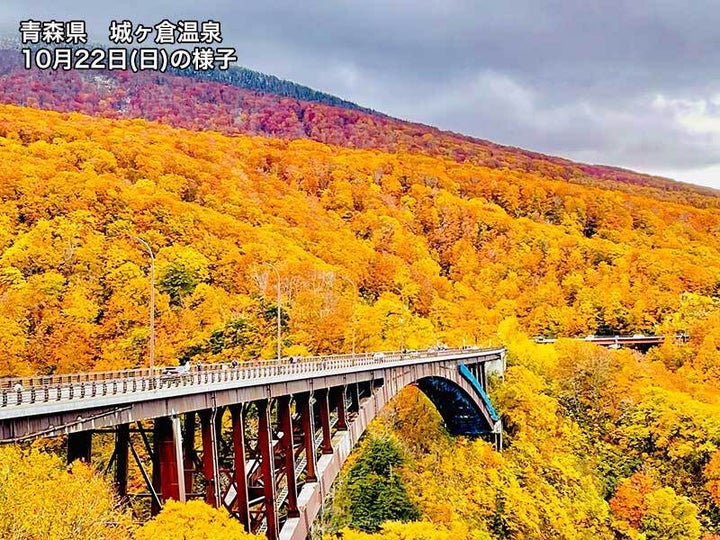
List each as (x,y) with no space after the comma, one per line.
(627,83)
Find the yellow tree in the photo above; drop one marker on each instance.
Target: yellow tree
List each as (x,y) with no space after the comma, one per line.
(41,498)
(193,520)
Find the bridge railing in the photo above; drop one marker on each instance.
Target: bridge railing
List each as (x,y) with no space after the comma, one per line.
(139,373)
(17,391)
(99,376)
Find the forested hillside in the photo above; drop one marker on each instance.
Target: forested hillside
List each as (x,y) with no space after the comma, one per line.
(402,249)
(267,84)
(454,247)
(228,103)
(599,444)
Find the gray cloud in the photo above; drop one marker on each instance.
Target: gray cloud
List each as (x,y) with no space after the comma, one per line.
(628,83)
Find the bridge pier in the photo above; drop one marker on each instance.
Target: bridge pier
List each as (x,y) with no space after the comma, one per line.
(79,446)
(267,467)
(288,450)
(208,427)
(122,442)
(179,459)
(338,394)
(241,504)
(323,406)
(169,482)
(302,402)
(189,454)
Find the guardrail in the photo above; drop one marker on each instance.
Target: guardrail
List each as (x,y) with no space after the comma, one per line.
(53,388)
(99,376)
(602,340)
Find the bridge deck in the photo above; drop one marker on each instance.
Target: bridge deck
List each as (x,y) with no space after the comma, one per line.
(107,393)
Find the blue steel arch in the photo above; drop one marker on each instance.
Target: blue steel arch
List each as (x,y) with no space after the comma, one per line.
(460,412)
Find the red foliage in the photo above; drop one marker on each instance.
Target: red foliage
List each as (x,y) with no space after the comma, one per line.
(188,103)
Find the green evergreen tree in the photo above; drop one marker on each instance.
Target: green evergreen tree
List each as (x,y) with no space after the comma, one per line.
(375,491)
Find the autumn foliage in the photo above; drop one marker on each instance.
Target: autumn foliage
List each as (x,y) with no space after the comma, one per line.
(445,241)
(40,498)
(399,249)
(234,109)
(193,520)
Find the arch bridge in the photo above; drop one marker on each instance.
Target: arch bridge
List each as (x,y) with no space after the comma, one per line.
(264,439)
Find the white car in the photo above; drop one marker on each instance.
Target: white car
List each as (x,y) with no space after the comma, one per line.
(175,371)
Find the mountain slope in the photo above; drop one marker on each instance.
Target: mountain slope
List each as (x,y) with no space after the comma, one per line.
(185,102)
(395,249)
(457,247)
(255,81)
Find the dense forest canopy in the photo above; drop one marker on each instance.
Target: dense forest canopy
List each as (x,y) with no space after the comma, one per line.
(396,235)
(245,102)
(356,235)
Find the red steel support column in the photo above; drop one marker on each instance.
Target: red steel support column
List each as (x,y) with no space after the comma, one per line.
(302,401)
(267,466)
(289,452)
(155,459)
(179,461)
(79,446)
(168,466)
(339,399)
(122,440)
(209,456)
(321,397)
(240,476)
